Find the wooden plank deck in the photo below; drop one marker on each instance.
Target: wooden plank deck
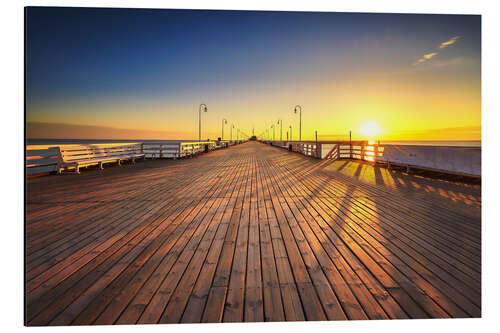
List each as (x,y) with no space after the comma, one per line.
(250,233)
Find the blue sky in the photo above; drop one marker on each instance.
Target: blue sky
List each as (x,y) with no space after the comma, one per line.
(150,69)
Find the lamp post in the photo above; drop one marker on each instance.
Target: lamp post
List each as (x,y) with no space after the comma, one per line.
(280,122)
(272,126)
(238,135)
(232,126)
(300,119)
(291,133)
(205,109)
(224,121)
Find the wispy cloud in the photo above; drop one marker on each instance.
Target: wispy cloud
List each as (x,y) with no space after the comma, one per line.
(449,42)
(425,57)
(428,56)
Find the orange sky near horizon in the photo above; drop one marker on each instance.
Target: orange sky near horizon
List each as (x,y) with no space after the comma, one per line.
(407,106)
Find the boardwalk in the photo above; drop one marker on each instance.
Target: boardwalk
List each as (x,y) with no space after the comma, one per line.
(250,233)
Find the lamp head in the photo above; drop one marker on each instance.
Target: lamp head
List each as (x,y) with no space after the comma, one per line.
(225,121)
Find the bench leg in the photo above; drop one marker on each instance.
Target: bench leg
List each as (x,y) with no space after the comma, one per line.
(77,169)
(100,166)
(133,160)
(119,162)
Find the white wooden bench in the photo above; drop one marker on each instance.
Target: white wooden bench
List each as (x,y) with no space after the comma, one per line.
(41,159)
(78,156)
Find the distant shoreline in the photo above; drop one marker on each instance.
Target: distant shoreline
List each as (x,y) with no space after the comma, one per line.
(449,143)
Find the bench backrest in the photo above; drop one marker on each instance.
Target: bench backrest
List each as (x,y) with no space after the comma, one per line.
(41,159)
(161,149)
(73,153)
(191,148)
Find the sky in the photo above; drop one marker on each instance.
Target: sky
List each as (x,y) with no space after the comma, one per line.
(95,73)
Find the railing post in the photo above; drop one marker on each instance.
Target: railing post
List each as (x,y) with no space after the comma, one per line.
(350,145)
(59,159)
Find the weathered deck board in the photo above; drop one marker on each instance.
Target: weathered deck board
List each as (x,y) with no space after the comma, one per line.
(251,233)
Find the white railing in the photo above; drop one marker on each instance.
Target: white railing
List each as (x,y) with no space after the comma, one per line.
(455,160)
(357,150)
(362,150)
(308,149)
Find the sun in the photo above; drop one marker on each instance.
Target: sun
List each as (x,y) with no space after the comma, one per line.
(370,129)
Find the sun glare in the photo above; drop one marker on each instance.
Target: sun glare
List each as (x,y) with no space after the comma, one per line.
(370,129)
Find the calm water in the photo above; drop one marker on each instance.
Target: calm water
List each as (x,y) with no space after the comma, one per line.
(476,143)
(472,143)
(80,141)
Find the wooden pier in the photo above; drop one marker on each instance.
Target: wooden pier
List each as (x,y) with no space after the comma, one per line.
(249,233)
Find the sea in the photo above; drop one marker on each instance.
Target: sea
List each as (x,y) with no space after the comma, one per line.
(449,143)
(30,141)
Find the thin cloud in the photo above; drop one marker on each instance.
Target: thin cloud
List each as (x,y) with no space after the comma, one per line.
(425,57)
(449,42)
(428,56)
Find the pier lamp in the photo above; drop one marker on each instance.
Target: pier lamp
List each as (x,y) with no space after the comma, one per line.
(290,133)
(299,109)
(280,122)
(203,108)
(224,121)
(232,126)
(272,126)
(238,134)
